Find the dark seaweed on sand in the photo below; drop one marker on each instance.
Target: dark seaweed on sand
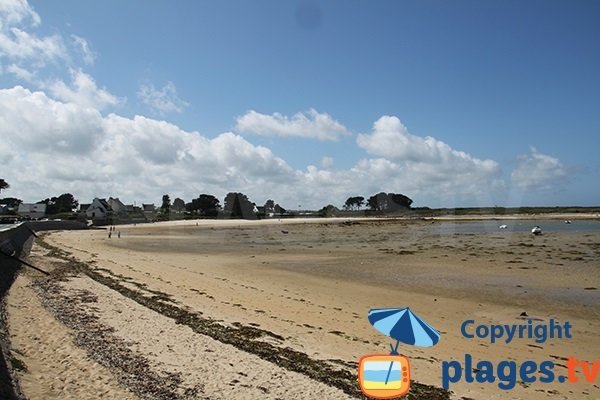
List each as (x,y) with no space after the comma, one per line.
(245,338)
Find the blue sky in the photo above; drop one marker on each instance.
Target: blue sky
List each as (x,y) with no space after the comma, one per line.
(460,103)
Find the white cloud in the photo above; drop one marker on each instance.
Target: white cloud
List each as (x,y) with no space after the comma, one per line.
(18,45)
(58,140)
(319,187)
(425,164)
(15,12)
(83,91)
(29,54)
(84,48)
(33,122)
(539,171)
(35,59)
(161,101)
(327,162)
(51,146)
(21,73)
(311,124)
(25,53)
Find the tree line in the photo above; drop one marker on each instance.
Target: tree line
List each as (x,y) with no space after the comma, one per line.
(235,205)
(65,203)
(385,202)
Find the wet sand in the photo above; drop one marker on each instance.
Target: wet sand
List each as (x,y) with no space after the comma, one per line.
(235,309)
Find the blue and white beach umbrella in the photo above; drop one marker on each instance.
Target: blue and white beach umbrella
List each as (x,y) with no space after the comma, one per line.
(404,326)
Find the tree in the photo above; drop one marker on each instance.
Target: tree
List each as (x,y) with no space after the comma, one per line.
(3,185)
(329,211)
(206,204)
(237,205)
(65,203)
(178,205)
(401,201)
(165,208)
(11,202)
(269,207)
(389,202)
(372,203)
(354,203)
(272,208)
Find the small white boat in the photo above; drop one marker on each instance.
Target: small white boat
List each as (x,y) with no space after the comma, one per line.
(568,221)
(503,227)
(536,230)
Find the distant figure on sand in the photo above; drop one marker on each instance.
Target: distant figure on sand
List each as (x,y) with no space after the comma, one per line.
(119,234)
(109,234)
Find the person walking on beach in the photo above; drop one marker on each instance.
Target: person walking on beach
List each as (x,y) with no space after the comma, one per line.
(119,234)
(109,234)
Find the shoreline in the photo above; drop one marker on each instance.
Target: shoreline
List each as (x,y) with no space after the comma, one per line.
(211,222)
(539,216)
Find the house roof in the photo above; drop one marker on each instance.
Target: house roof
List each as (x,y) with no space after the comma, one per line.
(114,201)
(105,204)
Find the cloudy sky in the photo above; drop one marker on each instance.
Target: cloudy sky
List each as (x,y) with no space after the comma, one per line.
(463,103)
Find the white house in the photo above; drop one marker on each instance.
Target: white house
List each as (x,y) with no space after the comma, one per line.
(33,211)
(148,208)
(99,209)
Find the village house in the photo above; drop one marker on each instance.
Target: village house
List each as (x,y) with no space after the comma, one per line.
(149,208)
(131,208)
(117,206)
(99,209)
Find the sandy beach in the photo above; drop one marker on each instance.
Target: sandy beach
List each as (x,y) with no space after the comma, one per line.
(278,309)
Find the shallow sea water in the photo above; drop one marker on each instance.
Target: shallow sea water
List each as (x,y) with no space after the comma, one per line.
(516,226)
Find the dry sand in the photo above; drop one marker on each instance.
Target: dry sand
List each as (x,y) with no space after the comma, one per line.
(234,309)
